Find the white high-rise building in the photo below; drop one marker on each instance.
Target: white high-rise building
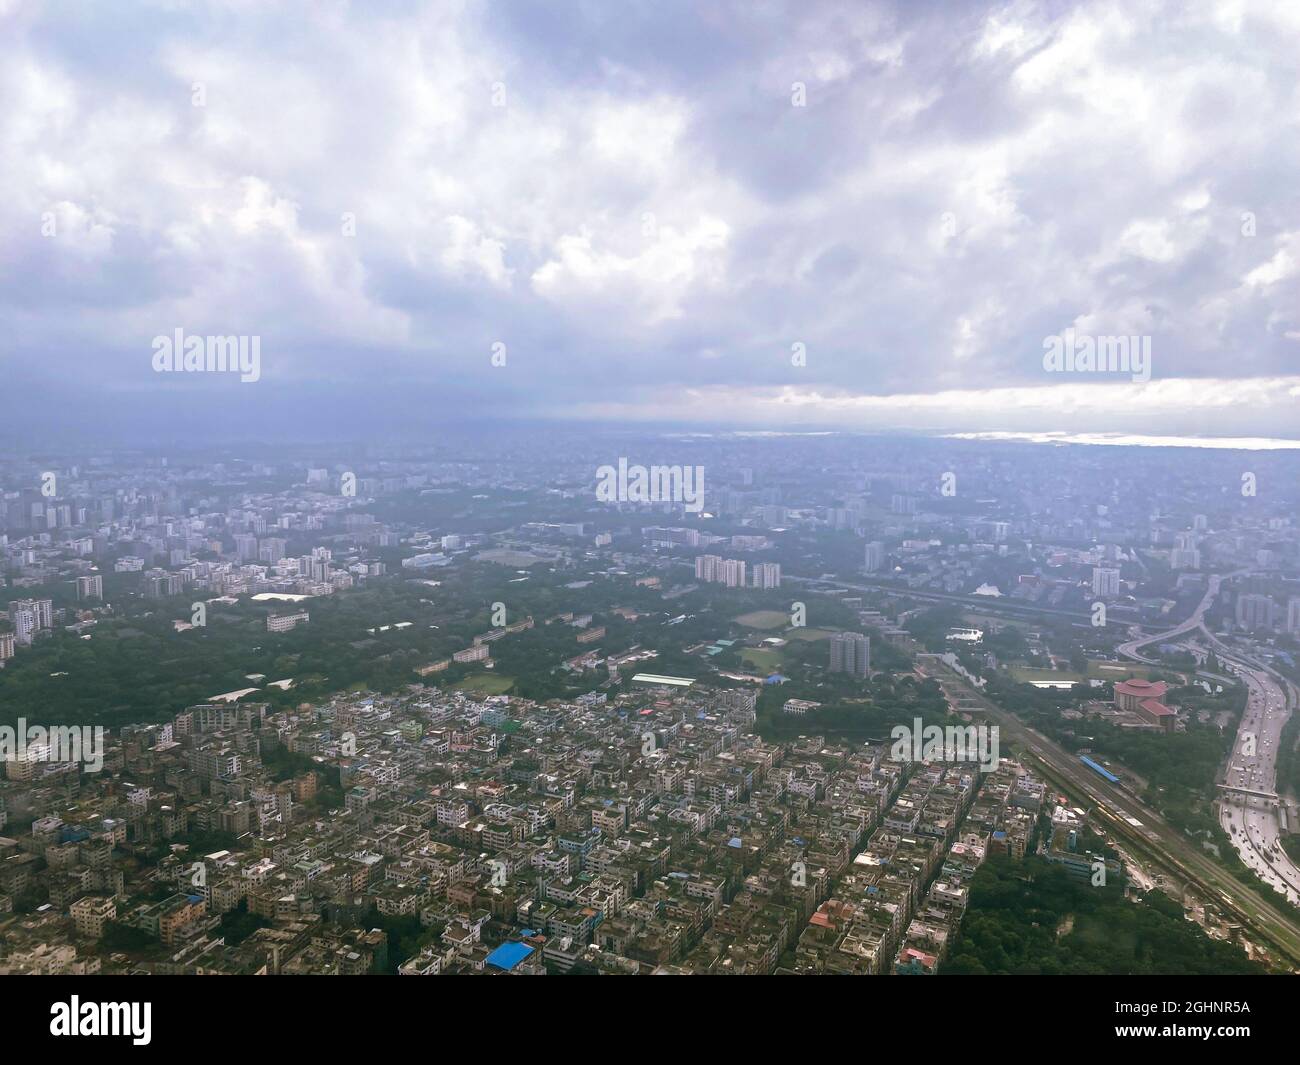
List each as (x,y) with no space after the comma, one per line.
(766,575)
(23,620)
(1105,582)
(24,623)
(733,572)
(707,567)
(718,570)
(42,611)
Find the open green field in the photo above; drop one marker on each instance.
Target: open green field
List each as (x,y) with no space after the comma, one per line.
(1027,674)
(764,619)
(505,556)
(810,634)
(488,683)
(988,621)
(1107,671)
(762,659)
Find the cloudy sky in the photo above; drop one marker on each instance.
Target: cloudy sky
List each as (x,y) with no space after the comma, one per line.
(832,214)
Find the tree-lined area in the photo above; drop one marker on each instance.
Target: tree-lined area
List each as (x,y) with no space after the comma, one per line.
(135,667)
(1033,919)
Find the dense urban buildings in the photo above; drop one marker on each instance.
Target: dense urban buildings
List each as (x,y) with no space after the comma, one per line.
(538,742)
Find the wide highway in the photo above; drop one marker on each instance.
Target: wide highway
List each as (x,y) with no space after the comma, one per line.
(1128,818)
(1251,820)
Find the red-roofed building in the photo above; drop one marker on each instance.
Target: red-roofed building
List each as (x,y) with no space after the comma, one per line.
(1130,693)
(1157,713)
(913,962)
(1144,698)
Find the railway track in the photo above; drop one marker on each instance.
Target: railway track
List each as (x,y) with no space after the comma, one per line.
(1151,836)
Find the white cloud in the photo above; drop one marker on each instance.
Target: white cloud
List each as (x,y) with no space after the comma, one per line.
(1095,161)
(1280,267)
(654,279)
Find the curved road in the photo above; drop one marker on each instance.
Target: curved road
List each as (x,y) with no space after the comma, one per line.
(1192,624)
(1250,820)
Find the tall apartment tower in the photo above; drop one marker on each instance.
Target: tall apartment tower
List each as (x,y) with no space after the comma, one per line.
(1254,612)
(30,616)
(246,547)
(91,587)
(733,572)
(707,567)
(42,611)
(851,653)
(271,549)
(875,556)
(1105,582)
(24,624)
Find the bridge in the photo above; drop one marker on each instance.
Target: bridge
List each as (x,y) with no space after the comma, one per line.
(1249,791)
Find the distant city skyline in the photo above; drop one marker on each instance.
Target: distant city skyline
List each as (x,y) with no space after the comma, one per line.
(875,217)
